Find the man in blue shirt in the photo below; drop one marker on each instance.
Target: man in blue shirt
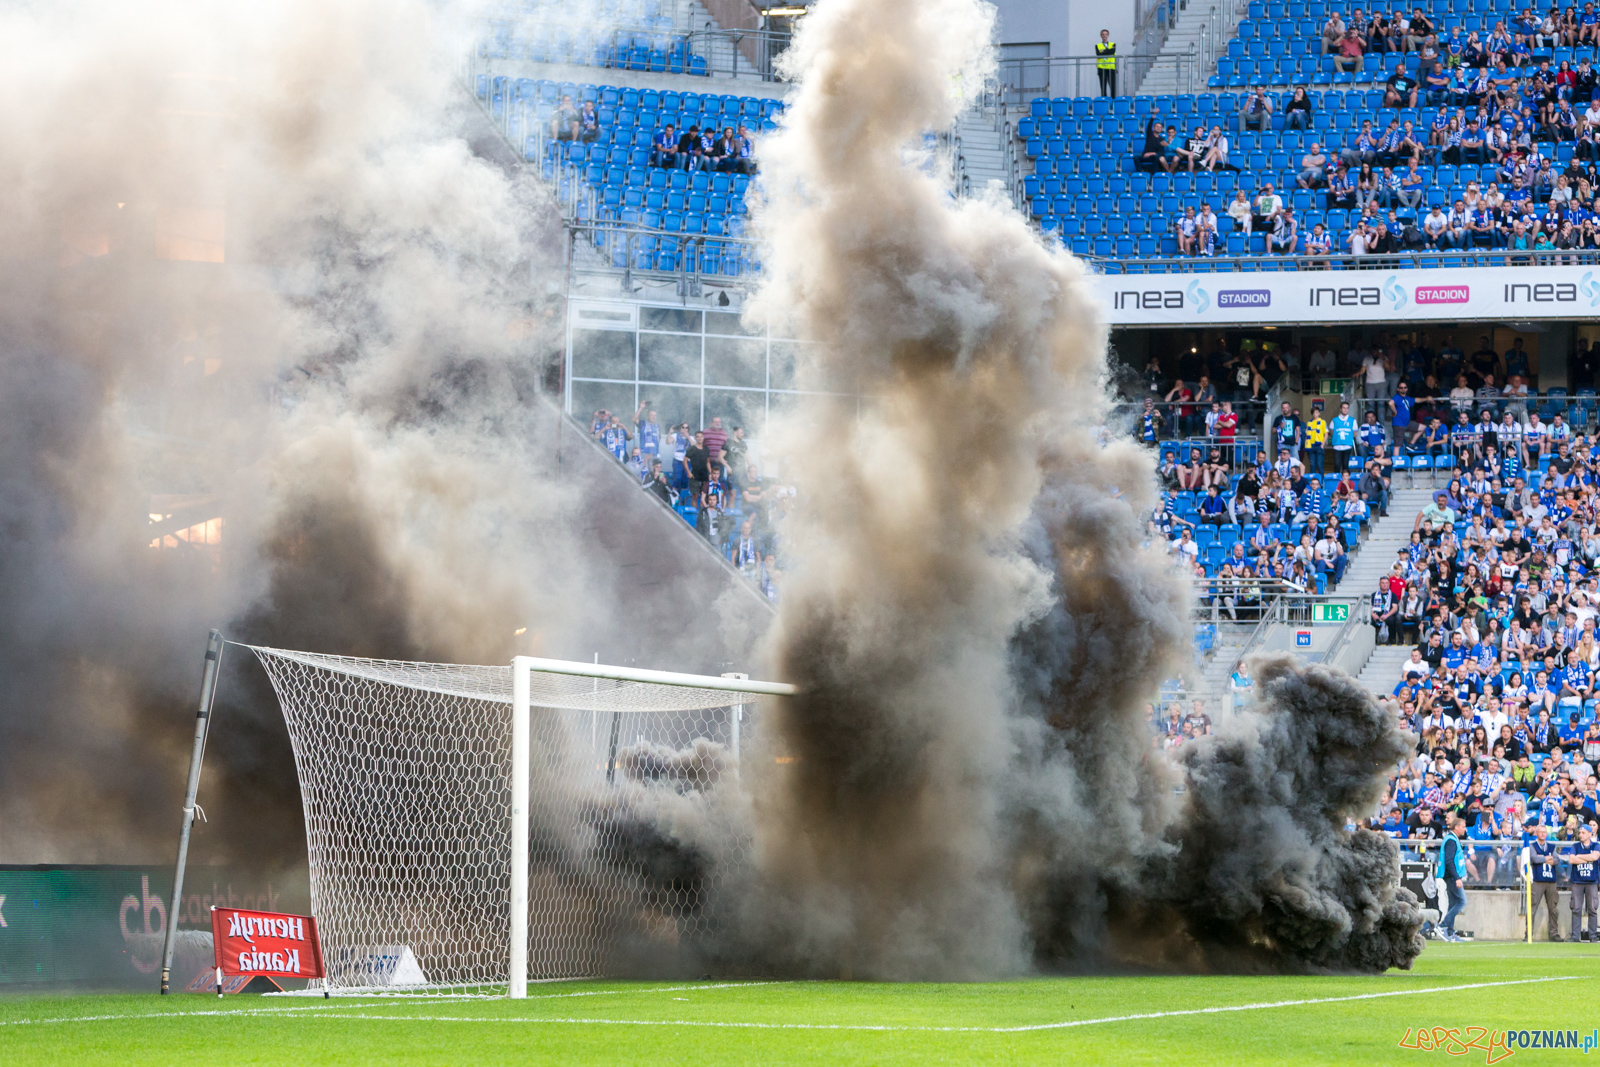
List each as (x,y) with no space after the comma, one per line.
(1214,509)
(1544,859)
(1400,408)
(1585,862)
(1372,434)
(1149,423)
(1342,436)
(1452,868)
(649,434)
(664,148)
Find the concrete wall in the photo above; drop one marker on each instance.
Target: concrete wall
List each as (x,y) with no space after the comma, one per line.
(1071,27)
(1496,915)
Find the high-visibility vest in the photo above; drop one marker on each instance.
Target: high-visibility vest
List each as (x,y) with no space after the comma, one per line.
(1107,55)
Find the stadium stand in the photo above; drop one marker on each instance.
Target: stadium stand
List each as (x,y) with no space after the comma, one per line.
(612,163)
(708,478)
(1091,187)
(623,34)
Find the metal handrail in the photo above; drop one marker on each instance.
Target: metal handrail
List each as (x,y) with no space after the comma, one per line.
(1346,633)
(1336,261)
(768,45)
(1075,75)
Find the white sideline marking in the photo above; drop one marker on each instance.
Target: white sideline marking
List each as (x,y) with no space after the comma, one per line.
(387,1003)
(341,1013)
(949,1029)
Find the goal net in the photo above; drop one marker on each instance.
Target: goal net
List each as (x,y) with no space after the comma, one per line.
(468,828)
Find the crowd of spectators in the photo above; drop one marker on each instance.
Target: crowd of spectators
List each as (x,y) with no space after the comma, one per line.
(709,477)
(1505,114)
(700,148)
(1498,594)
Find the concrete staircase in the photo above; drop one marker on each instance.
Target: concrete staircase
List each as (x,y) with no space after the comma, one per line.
(1377,555)
(1169,73)
(1384,539)
(982,158)
(1213,684)
(1382,671)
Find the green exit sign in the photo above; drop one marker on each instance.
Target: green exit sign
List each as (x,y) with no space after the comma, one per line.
(1330,612)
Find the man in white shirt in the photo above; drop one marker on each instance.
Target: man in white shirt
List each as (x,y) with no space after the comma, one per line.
(1185,546)
(1358,240)
(1375,374)
(1516,391)
(1459,222)
(1436,229)
(1461,396)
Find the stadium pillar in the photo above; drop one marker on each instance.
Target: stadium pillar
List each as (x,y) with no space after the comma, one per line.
(517,978)
(202,719)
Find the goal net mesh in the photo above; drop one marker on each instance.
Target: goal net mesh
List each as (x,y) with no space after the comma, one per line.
(405,778)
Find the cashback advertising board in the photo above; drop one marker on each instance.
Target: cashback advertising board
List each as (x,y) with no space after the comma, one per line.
(1496,294)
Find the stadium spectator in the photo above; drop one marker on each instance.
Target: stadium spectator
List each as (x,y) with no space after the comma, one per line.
(1298,112)
(1348,55)
(1267,205)
(689,149)
(1239,211)
(1420,33)
(745,157)
(697,466)
(588,123)
(1216,153)
(1402,88)
(1285,231)
(564,123)
(615,437)
(1193,151)
(715,438)
(648,432)
(1256,113)
(664,148)
(1313,167)
(1364,150)
(1333,31)
(1152,157)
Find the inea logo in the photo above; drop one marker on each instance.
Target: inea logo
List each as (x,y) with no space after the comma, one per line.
(1590,288)
(1201,298)
(1395,292)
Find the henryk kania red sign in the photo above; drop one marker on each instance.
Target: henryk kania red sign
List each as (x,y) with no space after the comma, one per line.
(265,942)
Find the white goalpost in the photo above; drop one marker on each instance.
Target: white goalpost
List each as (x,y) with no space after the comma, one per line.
(474,828)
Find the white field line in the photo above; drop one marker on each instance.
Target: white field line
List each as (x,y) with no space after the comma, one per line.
(388,1002)
(341,1013)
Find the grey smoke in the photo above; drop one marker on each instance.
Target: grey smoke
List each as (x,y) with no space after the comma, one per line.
(353,389)
(969,788)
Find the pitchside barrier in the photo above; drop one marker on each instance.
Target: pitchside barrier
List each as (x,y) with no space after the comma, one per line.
(471,828)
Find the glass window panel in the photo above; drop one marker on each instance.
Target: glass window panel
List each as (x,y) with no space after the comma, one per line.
(730,324)
(667,357)
(782,363)
(677,320)
(614,397)
(735,362)
(737,409)
(602,354)
(673,405)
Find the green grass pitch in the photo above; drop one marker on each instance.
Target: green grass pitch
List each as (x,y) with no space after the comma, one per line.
(1090,1020)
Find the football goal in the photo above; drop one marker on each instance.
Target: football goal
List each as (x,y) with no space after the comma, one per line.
(466,826)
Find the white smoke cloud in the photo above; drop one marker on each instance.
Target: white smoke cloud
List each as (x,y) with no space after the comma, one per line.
(250,265)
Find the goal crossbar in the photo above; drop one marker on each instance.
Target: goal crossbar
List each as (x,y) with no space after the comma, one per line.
(402,766)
